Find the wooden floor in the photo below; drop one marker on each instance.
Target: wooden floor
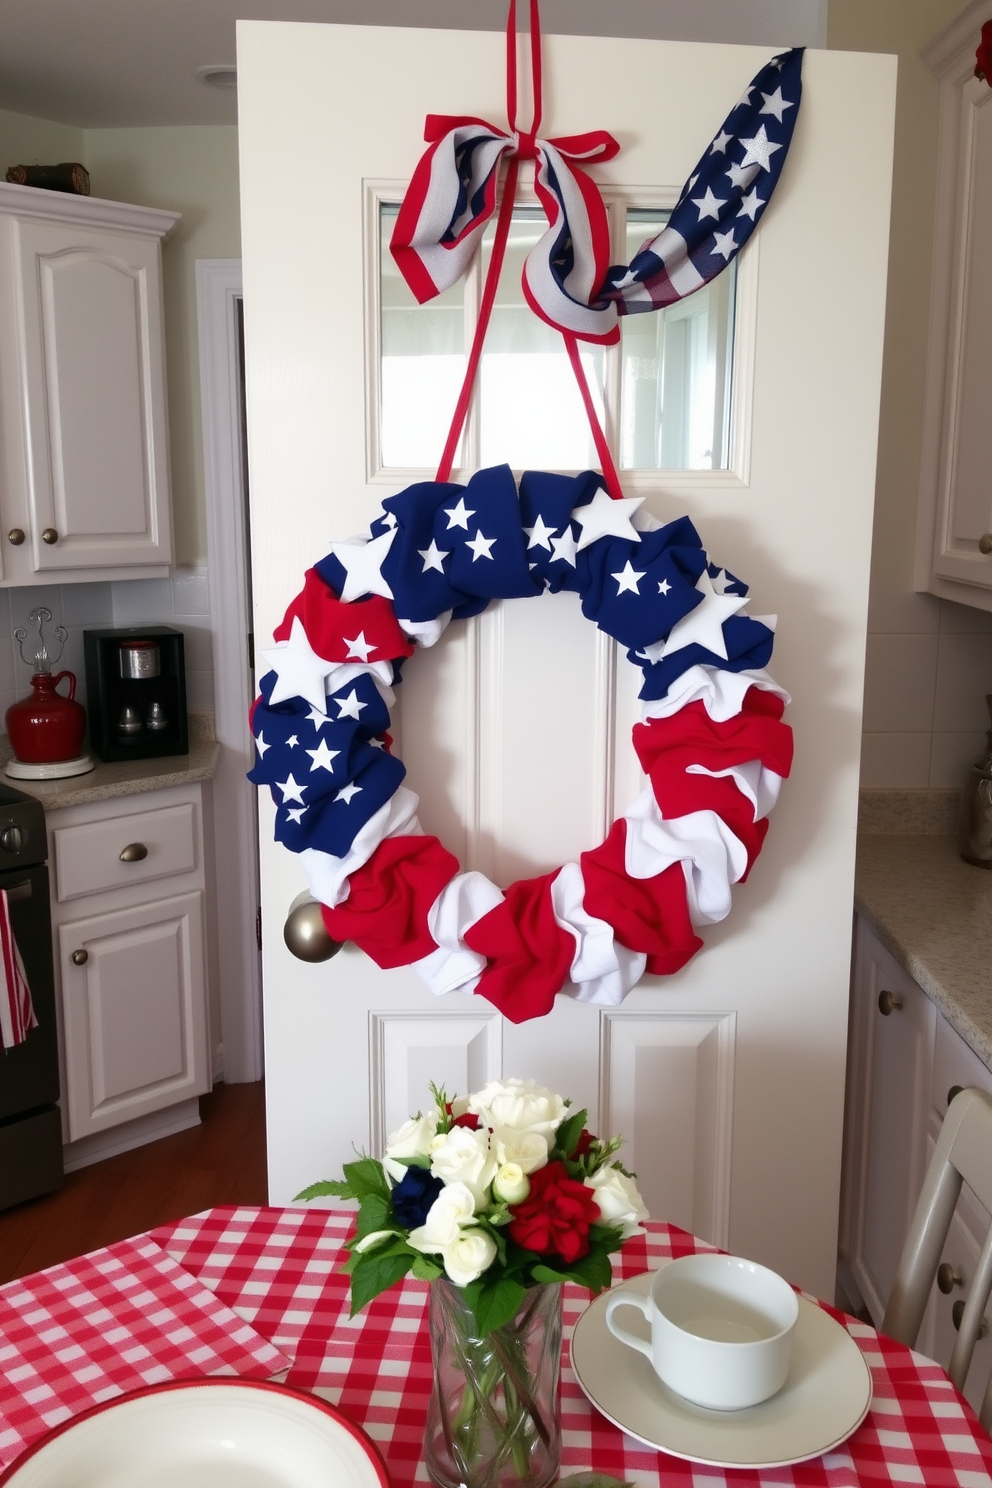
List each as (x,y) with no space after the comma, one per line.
(221,1161)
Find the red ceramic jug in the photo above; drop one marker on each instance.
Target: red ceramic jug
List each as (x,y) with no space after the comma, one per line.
(46,727)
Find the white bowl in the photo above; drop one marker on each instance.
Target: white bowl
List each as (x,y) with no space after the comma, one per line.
(721,1329)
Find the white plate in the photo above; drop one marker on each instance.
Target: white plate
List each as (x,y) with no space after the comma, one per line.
(824,1399)
(204,1433)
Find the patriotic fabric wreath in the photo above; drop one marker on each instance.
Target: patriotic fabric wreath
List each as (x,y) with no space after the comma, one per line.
(711,739)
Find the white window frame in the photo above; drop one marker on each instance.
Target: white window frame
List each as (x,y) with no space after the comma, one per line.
(379,193)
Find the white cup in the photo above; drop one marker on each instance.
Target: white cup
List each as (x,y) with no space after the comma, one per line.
(721,1329)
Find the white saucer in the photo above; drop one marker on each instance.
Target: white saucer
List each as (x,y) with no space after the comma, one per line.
(203,1433)
(58,770)
(824,1399)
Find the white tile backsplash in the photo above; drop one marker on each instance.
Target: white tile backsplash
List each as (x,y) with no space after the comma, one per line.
(900,683)
(924,688)
(952,756)
(891,759)
(182,601)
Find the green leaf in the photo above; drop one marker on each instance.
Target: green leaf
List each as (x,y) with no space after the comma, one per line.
(375,1213)
(375,1273)
(592,1480)
(424,1269)
(593,1271)
(569,1133)
(497,1302)
(365,1178)
(328,1186)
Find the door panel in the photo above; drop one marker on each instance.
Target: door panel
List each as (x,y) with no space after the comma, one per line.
(516,732)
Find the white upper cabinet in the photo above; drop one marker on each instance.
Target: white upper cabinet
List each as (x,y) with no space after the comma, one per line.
(954,543)
(83,424)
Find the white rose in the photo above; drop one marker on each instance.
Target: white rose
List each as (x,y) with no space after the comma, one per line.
(466,1258)
(618,1199)
(453,1208)
(511,1184)
(529,1150)
(463,1156)
(412,1140)
(521,1104)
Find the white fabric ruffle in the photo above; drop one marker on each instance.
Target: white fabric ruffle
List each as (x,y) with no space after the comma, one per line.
(721,693)
(328,876)
(711,855)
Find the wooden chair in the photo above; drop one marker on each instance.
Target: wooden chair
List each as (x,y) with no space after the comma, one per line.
(963,1153)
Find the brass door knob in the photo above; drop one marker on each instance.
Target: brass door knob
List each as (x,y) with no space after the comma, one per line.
(887,1002)
(49,536)
(15,536)
(957,1313)
(134,852)
(79,958)
(948,1277)
(306,934)
(985,543)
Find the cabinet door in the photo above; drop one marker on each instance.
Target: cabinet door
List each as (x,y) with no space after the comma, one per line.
(92,379)
(889,1154)
(134,1012)
(964,520)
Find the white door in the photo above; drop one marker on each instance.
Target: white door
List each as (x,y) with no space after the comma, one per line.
(728,1079)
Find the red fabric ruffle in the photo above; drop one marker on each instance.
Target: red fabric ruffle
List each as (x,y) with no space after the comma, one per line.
(667,746)
(528,952)
(330,623)
(385,913)
(647,914)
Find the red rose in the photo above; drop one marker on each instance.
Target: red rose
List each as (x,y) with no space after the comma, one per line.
(585,1141)
(554,1218)
(469,1119)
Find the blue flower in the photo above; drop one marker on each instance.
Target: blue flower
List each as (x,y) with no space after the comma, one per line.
(414,1195)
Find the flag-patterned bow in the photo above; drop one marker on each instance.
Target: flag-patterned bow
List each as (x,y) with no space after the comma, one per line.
(567,278)
(453,195)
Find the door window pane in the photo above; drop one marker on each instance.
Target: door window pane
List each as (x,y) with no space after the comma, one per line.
(674,380)
(422,352)
(531,414)
(676,365)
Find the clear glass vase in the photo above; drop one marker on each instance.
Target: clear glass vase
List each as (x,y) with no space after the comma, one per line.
(493,1419)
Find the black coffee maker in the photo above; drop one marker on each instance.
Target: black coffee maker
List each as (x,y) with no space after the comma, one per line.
(136,692)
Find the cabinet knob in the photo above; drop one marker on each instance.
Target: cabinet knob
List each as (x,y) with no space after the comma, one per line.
(953,1091)
(985,543)
(948,1277)
(887,1001)
(49,536)
(79,958)
(957,1313)
(15,536)
(134,852)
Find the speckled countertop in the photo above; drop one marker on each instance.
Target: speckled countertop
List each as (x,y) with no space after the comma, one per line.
(132,778)
(929,908)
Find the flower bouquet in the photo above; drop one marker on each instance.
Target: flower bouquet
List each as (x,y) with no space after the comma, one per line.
(496,1198)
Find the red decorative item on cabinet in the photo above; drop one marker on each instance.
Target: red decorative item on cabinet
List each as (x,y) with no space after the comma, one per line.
(45,728)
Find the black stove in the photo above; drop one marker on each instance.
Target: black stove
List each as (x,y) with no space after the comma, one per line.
(30,1121)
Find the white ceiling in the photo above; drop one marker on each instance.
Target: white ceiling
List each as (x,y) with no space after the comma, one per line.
(95,63)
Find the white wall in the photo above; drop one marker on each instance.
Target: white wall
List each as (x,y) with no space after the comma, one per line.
(929,661)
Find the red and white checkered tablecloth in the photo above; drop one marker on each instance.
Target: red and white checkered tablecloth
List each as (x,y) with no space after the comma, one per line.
(109,1322)
(276,1269)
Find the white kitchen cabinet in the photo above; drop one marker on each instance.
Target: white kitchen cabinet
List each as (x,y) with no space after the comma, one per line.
(954,536)
(902,1067)
(889,1078)
(128,914)
(84,455)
